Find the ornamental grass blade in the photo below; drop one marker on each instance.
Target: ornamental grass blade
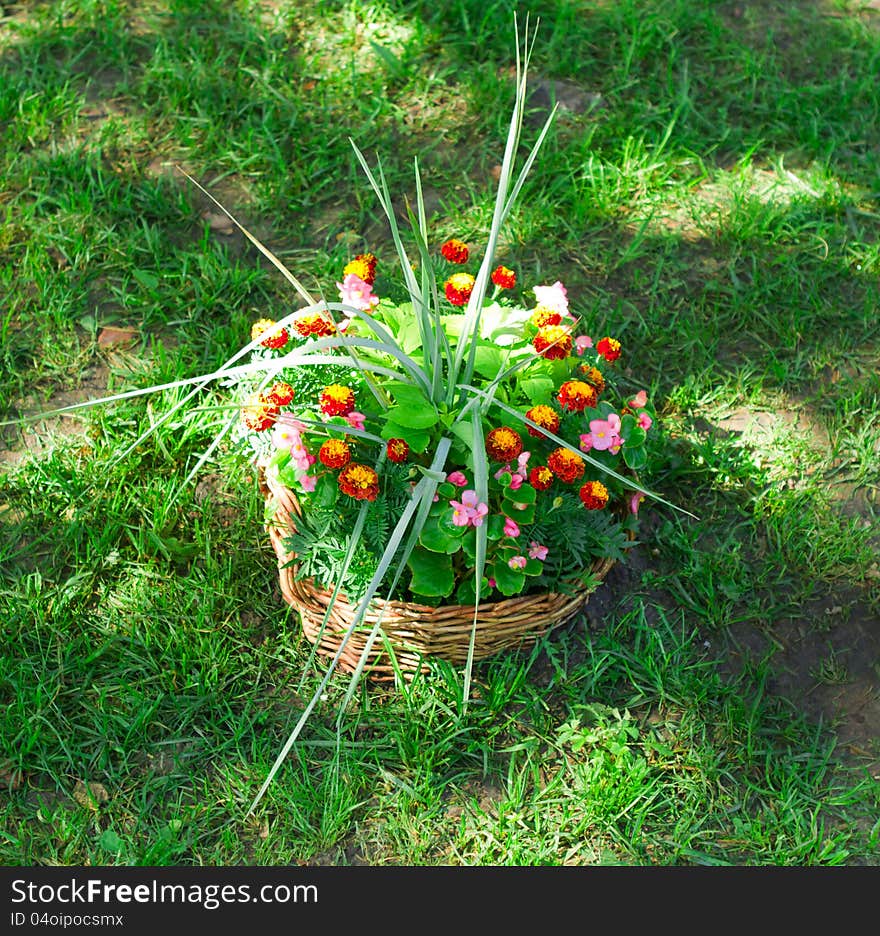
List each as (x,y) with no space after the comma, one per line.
(384,564)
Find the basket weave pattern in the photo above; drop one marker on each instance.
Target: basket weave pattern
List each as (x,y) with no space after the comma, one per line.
(415,631)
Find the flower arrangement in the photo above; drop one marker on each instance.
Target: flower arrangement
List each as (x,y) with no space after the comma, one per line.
(557,442)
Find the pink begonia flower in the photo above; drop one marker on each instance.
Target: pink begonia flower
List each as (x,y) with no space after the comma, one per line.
(517,562)
(605,433)
(301,457)
(492,583)
(639,400)
(520,475)
(582,342)
(284,437)
(634,502)
(510,527)
(553,297)
(457,478)
(468,511)
(645,421)
(355,419)
(307,483)
(355,292)
(516,482)
(537,551)
(586,443)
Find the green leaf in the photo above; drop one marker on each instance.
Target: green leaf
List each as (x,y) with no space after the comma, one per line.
(417,439)
(508,581)
(537,388)
(496,527)
(414,416)
(326,490)
(533,567)
(110,841)
(466,593)
(488,361)
(635,458)
(436,539)
(635,437)
(516,510)
(432,573)
(525,494)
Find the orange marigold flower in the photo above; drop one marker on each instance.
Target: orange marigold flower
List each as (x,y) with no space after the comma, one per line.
(336,400)
(542,317)
(270,336)
(566,465)
(455,251)
(503,444)
(363,266)
(458,288)
(544,416)
(553,342)
(334,453)
(593,376)
(259,413)
(280,393)
(314,324)
(609,348)
(541,478)
(398,450)
(359,481)
(576,396)
(594,494)
(503,277)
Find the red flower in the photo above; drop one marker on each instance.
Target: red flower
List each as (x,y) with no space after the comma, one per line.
(567,466)
(553,342)
(398,450)
(503,444)
(337,400)
(259,413)
(593,376)
(359,481)
(594,494)
(541,478)
(503,277)
(271,337)
(458,288)
(280,393)
(609,348)
(314,323)
(334,453)
(455,251)
(363,266)
(544,416)
(542,317)
(576,396)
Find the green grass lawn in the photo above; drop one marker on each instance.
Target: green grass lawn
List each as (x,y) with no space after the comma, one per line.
(710,190)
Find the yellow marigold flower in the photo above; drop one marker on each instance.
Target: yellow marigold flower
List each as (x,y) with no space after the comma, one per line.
(363,266)
(359,481)
(455,251)
(458,288)
(566,465)
(544,416)
(503,444)
(553,342)
(594,495)
(544,316)
(337,400)
(271,337)
(313,324)
(593,376)
(259,413)
(334,453)
(576,396)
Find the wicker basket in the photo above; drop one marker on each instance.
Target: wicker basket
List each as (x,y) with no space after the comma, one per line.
(415,631)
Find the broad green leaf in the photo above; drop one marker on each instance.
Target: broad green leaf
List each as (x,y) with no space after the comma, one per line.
(533,567)
(525,494)
(488,361)
(518,511)
(508,581)
(436,539)
(635,458)
(432,573)
(537,389)
(496,527)
(414,416)
(417,439)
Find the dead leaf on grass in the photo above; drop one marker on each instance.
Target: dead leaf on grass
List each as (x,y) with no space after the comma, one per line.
(90,795)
